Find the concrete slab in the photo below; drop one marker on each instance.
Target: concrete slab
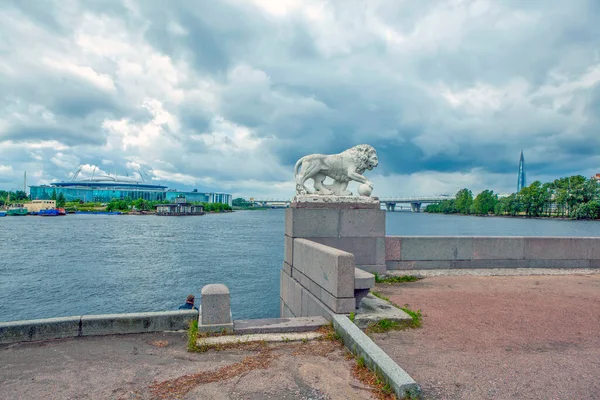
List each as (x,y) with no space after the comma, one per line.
(366,250)
(330,268)
(462,264)
(503,248)
(380,269)
(288,249)
(39,329)
(408,265)
(363,279)
(287,268)
(278,325)
(109,324)
(362,223)
(558,248)
(258,337)
(336,304)
(393,248)
(425,248)
(309,223)
(373,309)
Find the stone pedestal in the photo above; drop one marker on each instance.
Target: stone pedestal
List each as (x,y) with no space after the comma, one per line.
(215,309)
(355,224)
(320,280)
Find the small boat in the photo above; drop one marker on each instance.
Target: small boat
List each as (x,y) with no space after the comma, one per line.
(2,214)
(53,212)
(49,213)
(17,211)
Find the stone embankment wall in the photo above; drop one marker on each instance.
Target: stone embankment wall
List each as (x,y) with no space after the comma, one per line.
(91,325)
(443,252)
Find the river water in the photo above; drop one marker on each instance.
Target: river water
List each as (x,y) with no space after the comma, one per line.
(100,264)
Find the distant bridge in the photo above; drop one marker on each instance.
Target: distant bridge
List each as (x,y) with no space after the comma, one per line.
(389,202)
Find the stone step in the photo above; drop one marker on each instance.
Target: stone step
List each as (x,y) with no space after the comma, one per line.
(278,325)
(363,279)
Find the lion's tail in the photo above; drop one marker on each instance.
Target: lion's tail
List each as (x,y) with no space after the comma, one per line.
(297,166)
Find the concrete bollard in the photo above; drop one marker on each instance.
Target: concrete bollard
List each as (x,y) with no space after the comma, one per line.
(215,310)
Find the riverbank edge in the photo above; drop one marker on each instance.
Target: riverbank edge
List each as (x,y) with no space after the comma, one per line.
(355,340)
(95,325)
(511,216)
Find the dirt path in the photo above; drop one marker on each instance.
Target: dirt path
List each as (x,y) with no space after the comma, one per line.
(501,337)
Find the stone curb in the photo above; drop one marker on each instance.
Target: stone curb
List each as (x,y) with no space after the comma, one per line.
(376,359)
(88,325)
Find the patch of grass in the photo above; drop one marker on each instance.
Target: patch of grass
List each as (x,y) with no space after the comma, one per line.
(192,334)
(386,325)
(351,316)
(390,279)
(382,297)
(360,361)
(383,326)
(417,317)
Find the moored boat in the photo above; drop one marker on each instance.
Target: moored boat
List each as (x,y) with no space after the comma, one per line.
(17,211)
(2,214)
(53,212)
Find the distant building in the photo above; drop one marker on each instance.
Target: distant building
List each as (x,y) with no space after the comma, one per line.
(101,189)
(38,205)
(224,198)
(104,188)
(179,207)
(596,177)
(521,181)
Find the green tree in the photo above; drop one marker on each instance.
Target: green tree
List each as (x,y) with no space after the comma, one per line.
(485,203)
(20,195)
(240,202)
(53,194)
(464,201)
(589,210)
(60,201)
(535,198)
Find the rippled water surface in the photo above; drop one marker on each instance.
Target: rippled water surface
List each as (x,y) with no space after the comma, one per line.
(97,264)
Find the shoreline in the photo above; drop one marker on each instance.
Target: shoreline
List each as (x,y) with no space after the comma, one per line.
(512,216)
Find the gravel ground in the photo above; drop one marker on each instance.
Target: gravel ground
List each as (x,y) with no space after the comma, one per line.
(131,366)
(501,337)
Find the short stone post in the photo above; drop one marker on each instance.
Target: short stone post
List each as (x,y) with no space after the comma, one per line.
(215,310)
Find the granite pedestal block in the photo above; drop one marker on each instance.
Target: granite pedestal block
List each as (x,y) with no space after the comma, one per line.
(215,311)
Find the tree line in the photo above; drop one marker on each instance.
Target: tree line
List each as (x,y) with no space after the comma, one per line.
(573,197)
(128,204)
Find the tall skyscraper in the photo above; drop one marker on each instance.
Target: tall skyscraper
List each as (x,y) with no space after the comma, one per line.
(521,178)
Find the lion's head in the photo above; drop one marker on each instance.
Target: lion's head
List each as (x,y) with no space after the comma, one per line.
(364,156)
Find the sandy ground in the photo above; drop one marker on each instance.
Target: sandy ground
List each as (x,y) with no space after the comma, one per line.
(501,337)
(127,367)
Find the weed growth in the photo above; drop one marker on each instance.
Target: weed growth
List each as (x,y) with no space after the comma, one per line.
(390,279)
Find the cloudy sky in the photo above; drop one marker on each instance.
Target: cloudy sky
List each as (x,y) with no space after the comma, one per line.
(227,95)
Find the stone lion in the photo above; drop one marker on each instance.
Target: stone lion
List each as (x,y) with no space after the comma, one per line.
(342,168)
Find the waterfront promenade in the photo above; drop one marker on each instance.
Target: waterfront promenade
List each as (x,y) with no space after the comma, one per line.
(501,337)
(483,337)
(142,366)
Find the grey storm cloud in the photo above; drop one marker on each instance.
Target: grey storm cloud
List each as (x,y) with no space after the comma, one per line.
(437,87)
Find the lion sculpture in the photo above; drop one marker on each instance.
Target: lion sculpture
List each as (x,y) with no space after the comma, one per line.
(342,168)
